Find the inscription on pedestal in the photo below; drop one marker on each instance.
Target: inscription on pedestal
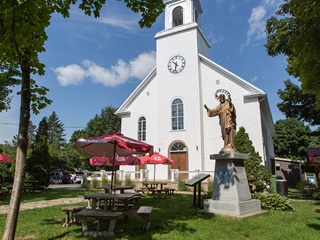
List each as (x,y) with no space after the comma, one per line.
(231,194)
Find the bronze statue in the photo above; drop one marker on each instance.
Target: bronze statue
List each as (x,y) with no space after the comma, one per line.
(227,119)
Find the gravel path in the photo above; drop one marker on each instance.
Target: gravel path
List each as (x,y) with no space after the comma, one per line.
(41,204)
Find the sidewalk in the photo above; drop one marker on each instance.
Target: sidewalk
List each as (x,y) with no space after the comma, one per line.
(41,204)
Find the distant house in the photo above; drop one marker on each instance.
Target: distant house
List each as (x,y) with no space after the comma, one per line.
(287,169)
(166,109)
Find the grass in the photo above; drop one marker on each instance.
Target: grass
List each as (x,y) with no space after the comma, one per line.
(172,218)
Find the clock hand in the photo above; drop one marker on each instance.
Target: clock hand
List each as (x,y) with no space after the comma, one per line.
(175,65)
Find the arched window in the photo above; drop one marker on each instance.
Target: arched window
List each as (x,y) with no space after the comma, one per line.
(142,129)
(177,114)
(178,147)
(177,16)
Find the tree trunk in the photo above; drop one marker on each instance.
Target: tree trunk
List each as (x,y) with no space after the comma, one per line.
(12,217)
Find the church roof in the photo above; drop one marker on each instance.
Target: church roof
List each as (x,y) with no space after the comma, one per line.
(253,90)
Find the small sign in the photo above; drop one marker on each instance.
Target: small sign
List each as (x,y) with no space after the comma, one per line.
(195,180)
(316,159)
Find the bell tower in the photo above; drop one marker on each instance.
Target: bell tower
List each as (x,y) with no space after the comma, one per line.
(182,12)
(181,41)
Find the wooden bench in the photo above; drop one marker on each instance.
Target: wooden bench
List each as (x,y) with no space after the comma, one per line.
(27,188)
(140,190)
(144,212)
(72,210)
(169,190)
(99,215)
(3,194)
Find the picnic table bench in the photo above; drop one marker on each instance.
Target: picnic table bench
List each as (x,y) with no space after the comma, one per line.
(99,215)
(144,212)
(169,190)
(71,212)
(3,194)
(30,186)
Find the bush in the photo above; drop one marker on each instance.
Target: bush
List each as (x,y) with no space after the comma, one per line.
(85,183)
(94,183)
(307,187)
(273,202)
(208,193)
(316,195)
(182,186)
(128,181)
(257,174)
(118,181)
(104,180)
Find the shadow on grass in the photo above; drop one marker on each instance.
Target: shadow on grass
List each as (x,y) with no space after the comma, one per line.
(314,226)
(169,214)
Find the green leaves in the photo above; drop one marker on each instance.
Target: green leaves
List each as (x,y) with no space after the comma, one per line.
(273,202)
(257,174)
(295,32)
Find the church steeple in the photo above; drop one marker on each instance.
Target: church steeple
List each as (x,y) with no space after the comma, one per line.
(182,12)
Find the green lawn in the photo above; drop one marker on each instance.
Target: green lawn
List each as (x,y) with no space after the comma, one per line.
(173,218)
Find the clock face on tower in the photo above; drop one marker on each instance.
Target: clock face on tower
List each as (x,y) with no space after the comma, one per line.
(176,64)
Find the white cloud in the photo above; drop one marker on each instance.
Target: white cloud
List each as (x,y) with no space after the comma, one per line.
(111,77)
(143,64)
(70,75)
(254,79)
(258,18)
(126,23)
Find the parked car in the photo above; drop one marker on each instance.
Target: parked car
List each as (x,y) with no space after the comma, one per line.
(78,177)
(60,176)
(66,178)
(92,175)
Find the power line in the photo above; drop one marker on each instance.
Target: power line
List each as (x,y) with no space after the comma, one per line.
(16,124)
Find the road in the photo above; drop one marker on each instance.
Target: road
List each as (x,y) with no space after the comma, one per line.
(69,186)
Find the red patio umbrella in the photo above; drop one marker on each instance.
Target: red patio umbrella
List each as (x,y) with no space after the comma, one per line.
(5,158)
(110,145)
(120,160)
(156,158)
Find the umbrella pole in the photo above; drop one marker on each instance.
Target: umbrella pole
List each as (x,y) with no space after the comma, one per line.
(154,172)
(113,165)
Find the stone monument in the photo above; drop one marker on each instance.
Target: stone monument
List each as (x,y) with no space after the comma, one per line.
(231,194)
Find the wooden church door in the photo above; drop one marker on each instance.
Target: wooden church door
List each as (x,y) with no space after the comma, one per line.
(178,153)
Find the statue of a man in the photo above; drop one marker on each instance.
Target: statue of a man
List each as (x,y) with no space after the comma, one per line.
(227,119)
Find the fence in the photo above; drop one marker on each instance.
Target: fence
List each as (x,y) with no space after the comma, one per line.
(143,174)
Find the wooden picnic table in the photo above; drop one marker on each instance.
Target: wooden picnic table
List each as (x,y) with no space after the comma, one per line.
(110,213)
(95,198)
(121,188)
(154,185)
(30,186)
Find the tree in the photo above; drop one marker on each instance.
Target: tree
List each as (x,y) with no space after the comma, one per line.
(257,174)
(292,139)
(56,141)
(296,33)
(299,105)
(38,164)
(7,79)
(22,31)
(102,124)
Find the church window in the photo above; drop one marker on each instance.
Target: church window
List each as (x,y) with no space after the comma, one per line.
(142,130)
(178,147)
(177,16)
(177,114)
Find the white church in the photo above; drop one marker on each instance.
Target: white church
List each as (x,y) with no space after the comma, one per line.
(166,109)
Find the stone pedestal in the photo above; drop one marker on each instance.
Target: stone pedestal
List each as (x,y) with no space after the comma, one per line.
(231,195)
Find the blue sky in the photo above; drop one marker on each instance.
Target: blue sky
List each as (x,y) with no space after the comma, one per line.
(94,63)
